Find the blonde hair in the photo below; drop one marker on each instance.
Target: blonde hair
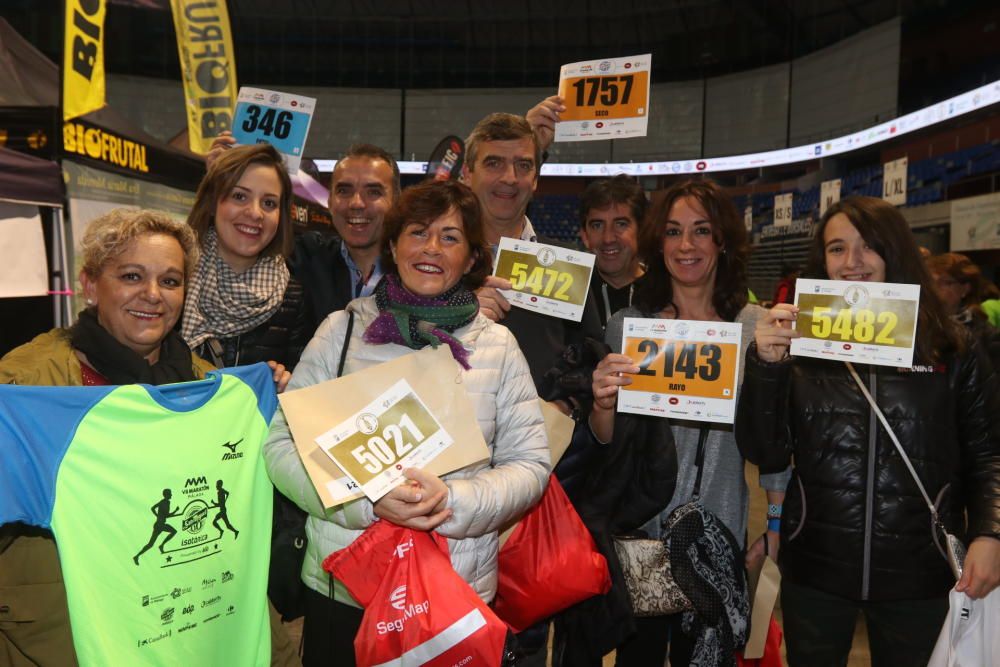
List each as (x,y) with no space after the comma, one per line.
(109,235)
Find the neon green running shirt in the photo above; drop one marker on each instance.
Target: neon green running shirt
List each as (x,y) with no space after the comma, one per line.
(161,510)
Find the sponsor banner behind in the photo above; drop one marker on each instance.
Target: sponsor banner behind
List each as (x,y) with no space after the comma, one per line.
(975,223)
(93,192)
(208,68)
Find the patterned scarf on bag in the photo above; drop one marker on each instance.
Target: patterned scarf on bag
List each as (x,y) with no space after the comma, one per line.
(221,303)
(418,321)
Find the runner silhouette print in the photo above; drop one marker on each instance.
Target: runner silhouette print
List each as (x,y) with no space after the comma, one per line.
(220,502)
(161,510)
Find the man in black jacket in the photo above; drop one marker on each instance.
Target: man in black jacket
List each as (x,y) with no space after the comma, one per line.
(364,185)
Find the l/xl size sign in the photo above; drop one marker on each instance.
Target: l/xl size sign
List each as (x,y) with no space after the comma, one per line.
(687,369)
(868,323)
(393,432)
(279,119)
(546,279)
(605,99)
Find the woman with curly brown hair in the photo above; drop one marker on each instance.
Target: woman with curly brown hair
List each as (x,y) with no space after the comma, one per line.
(695,249)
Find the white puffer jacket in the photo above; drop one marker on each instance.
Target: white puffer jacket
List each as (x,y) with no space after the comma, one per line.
(482,498)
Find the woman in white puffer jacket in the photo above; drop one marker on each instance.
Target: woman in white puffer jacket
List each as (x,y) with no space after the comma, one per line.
(435,254)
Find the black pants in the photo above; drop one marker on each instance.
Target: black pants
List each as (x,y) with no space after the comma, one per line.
(328,632)
(648,646)
(819,628)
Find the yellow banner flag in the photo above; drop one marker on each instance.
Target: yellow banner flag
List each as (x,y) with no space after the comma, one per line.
(83,58)
(208,68)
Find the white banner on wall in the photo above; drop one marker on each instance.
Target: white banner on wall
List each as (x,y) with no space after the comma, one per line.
(894,181)
(975,223)
(24,270)
(783,210)
(829,193)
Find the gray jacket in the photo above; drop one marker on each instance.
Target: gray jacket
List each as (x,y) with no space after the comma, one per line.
(482,497)
(723,484)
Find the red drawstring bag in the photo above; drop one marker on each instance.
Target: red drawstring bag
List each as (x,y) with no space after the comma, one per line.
(418,611)
(772,650)
(549,563)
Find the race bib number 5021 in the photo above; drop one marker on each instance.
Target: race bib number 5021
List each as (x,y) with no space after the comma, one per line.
(393,432)
(870,323)
(687,369)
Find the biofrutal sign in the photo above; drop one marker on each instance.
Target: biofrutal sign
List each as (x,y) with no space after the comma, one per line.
(102,145)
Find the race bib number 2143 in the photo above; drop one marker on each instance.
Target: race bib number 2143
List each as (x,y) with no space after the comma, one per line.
(687,369)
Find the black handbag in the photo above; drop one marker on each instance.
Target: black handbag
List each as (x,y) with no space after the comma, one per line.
(646,564)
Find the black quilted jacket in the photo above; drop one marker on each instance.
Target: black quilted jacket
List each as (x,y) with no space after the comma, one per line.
(280,338)
(854,521)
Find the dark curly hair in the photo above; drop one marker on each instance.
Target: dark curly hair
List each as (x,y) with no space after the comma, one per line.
(424,203)
(655,291)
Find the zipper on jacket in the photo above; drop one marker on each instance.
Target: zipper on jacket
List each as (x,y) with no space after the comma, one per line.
(237,361)
(869,488)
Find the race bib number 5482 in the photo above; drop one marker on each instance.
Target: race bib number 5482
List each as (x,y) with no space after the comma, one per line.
(872,323)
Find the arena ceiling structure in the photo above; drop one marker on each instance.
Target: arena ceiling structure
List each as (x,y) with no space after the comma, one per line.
(515,43)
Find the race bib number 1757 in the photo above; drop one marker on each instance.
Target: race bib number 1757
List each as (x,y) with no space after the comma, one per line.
(605,99)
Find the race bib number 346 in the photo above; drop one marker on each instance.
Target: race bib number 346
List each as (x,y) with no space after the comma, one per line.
(872,323)
(687,369)
(375,445)
(279,119)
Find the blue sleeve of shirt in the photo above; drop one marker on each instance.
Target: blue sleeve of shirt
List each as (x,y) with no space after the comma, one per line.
(37,425)
(260,378)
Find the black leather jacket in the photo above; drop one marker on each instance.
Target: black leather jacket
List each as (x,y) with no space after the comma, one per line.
(854,522)
(280,338)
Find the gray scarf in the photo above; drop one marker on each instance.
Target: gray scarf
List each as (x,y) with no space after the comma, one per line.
(221,303)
